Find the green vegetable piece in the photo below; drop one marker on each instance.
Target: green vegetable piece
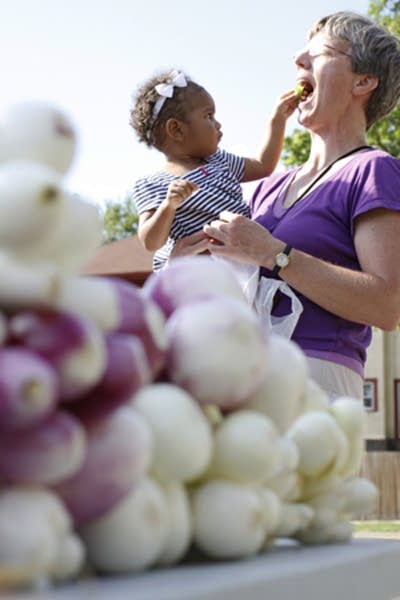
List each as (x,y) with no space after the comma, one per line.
(298,90)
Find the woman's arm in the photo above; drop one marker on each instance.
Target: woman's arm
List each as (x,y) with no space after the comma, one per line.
(371,296)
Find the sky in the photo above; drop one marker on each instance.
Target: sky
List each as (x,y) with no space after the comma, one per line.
(88,57)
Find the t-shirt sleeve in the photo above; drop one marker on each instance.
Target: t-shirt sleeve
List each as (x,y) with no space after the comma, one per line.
(378,186)
(145,195)
(234,163)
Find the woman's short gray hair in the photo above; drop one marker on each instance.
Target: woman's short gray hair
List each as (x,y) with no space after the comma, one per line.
(374,51)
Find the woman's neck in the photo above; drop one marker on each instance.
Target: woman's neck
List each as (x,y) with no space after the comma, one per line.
(326,149)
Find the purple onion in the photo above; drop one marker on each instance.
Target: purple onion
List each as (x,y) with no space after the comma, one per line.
(28,388)
(118,455)
(70,343)
(127,370)
(191,278)
(142,317)
(45,453)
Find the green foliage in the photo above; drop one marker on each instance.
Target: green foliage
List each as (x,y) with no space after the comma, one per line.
(120,219)
(296,148)
(385,133)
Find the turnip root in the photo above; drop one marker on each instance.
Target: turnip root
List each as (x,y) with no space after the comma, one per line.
(287,486)
(36,539)
(295,517)
(245,448)
(117,457)
(315,398)
(133,534)
(39,131)
(338,532)
(185,280)
(45,453)
(71,344)
(181,432)
(34,191)
(24,286)
(28,388)
(319,430)
(93,297)
(360,496)
(282,392)
(229,519)
(350,415)
(70,243)
(216,351)
(180,531)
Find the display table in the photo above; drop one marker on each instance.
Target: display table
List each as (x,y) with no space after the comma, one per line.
(365,569)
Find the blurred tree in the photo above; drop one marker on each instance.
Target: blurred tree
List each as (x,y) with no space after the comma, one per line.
(385,133)
(120,219)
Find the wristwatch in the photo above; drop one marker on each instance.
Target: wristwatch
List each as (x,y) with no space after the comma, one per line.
(282,259)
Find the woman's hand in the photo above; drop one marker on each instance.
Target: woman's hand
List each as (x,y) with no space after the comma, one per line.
(196,243)
(239,238)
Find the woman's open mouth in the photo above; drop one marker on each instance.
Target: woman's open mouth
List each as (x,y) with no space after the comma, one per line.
(303,89)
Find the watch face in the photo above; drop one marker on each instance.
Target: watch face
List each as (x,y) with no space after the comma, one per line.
(282,260)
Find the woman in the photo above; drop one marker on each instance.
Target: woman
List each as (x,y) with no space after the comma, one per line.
(331,228)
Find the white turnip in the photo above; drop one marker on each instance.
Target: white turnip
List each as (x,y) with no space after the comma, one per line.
(39,131)
(181,432)
(216,351)
(132,535)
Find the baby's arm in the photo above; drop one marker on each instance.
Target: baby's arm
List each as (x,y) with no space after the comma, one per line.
(256,168)
(155,225)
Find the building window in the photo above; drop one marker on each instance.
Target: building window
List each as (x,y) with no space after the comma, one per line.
(371,395)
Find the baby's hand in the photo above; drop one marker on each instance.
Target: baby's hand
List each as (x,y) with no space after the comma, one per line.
(286,105)
(179,191)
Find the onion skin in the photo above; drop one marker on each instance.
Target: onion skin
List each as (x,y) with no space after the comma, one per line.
(28,388)
(45,453)
(118,455)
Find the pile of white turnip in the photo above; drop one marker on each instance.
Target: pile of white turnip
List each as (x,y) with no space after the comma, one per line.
(139,424)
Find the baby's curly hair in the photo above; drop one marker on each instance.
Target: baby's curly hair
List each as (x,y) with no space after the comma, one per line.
(150,128)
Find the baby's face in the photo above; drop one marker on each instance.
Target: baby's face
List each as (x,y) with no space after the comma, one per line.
(203,131)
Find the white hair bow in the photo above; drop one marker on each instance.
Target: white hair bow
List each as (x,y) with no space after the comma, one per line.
(166,90)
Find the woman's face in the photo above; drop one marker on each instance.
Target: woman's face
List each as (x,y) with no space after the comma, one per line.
(324,68)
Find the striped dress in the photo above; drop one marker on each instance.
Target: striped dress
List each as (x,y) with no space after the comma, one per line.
(219,186)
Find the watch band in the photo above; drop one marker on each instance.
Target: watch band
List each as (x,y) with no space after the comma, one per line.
(287,249)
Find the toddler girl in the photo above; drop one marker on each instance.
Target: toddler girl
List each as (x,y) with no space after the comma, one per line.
(176,116)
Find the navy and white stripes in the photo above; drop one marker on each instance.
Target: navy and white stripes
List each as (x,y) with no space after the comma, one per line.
(219,189)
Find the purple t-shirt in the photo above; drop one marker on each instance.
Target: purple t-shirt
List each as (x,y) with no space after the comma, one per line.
(322,225)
